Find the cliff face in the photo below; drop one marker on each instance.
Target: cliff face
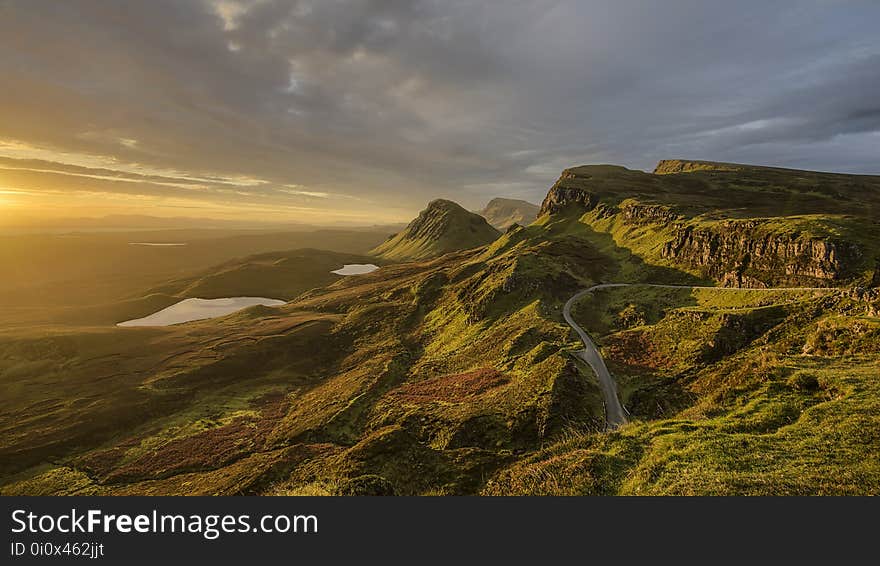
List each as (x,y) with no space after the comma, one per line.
(740,254)
(722,220)
(560,197)
(673,166)
(648,214)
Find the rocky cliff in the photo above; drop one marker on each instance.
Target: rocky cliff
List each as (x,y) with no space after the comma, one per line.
(673,166)
(561,197)
(745,254)
(719,220)
(634,213)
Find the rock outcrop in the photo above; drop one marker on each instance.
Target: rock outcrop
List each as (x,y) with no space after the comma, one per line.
(741,254)
(673,166)
(648,214)
(561,197)
(724,220)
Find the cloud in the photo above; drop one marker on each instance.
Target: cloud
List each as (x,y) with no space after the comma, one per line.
(380,105)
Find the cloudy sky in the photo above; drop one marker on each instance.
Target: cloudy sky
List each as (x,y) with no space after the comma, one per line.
(362,111)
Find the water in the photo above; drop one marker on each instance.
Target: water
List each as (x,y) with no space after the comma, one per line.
(158,244)
(188,310)
(356,269)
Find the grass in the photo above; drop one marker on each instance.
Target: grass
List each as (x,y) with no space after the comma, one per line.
(453,375)
(281,275)
(80,279)
(442,227)
(776,417)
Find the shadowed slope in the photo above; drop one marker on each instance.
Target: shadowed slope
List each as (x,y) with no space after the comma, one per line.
(442,227)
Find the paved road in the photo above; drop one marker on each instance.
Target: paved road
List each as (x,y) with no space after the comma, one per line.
(615,413)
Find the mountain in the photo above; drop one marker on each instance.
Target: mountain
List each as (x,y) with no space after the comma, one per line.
(502,212)
(739,225)
(442,227)
(459,374)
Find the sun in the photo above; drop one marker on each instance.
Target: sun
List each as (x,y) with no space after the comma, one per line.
(9,203)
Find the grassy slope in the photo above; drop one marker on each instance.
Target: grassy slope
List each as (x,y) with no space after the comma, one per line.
(276,275)
(281,275)
(759,202)
(741,192)
(784,407)
(434,361)
(733,392)
(452,376)
(442,227)
(91,278)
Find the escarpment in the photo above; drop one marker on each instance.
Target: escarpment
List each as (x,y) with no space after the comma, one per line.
(648,214)
(561,197)
(723,221)
(673,166)
(740,254)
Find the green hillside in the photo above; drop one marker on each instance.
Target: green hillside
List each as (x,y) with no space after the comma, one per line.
(732,393)
(442,227)
(454,374)
(738,225)
(282,275)
(100,277)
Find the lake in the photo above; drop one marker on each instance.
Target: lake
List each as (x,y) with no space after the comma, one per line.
(189,310)
(356,269)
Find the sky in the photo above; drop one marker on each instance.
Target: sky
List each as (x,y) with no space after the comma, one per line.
(337,111)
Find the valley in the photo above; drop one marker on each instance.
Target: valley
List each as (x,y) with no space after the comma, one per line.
(735,311)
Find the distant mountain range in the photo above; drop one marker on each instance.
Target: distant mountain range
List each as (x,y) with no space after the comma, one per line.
(503,212)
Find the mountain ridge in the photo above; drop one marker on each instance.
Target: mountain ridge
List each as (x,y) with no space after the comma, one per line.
(724,221)
(455,374)
(503,212)
(442,227)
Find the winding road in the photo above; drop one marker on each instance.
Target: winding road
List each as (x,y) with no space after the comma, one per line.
(615,413)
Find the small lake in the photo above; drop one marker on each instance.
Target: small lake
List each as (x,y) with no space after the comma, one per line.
(188,310)
(356,269)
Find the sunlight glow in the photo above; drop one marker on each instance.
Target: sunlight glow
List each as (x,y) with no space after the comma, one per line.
(46,183)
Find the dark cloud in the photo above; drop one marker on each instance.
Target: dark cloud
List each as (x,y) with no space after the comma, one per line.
(395,102)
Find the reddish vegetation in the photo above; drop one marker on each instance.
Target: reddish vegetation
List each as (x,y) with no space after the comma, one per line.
(451,388)
(273,406)
(211,448)
(635,350)
(208,449)
(103,461)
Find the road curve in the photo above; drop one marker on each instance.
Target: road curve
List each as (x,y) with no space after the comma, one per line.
(615,413)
